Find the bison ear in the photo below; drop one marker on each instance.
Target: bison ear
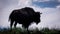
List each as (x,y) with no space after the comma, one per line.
(40,13)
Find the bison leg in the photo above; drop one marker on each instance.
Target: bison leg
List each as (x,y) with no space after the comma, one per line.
(15,24)
(11,24)
(28,31)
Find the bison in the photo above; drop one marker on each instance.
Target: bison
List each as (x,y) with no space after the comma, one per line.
(24,16)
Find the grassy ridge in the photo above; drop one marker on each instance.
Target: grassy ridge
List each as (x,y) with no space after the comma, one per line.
(20,31)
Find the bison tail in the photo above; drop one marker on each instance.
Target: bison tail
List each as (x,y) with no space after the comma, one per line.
(9,19)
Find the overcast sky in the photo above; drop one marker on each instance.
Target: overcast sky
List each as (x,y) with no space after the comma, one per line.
(50,9)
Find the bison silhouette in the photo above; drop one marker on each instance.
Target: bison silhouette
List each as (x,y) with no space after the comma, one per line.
(24,16)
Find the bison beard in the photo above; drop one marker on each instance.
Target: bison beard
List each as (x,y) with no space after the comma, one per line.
(24,16)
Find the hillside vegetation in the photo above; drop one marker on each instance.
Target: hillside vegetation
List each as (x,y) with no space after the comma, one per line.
(20,31)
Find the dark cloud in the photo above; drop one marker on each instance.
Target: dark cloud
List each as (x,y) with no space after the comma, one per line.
(50,4)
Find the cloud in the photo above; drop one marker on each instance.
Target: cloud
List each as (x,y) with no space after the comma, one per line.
(58,6)
(58,0)
(46,0)
(50,18)
(41,0)
(50,4)
(24,3)
(6,6)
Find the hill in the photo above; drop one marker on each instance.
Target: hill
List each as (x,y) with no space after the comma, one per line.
(20,31)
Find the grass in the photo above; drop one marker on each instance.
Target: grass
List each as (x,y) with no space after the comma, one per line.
(20,31)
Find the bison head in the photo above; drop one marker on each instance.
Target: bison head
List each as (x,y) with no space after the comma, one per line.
(36,17)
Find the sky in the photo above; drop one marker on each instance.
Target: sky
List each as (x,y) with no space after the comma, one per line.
(50,10)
